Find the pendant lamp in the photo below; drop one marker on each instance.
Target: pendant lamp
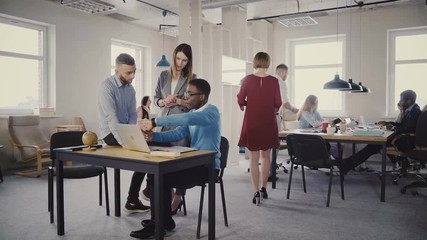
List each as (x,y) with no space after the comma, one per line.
(337,84)
(163,61)
(353,87)
(364,89)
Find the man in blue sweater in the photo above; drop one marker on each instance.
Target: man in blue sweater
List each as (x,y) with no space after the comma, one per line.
(202,125)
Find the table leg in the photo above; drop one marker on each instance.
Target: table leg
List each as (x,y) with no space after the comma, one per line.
(273,167)
(383,172)
(158,203)
(1,175)
(340,150)
(60,196)
(117,210)
(211,203)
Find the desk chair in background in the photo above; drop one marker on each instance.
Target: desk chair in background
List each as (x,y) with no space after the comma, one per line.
(287,125)
(311,151)
(400,156)
(27,137)
(224,147)
(419,153)
(70,139)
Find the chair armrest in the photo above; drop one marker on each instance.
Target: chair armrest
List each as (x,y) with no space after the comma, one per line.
(38,153)
(24,146)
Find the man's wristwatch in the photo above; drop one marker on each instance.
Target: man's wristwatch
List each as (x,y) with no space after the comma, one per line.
(153,122)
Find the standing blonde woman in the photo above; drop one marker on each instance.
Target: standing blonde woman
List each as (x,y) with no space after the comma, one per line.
(260,94)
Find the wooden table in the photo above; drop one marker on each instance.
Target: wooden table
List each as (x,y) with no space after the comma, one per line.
(119,158)
(346,138)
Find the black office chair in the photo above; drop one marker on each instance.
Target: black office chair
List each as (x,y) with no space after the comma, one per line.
(224,147)
(69,139)
(419,153)
(398,154)
(311,151)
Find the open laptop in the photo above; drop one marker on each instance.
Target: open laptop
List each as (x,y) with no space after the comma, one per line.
(134,139)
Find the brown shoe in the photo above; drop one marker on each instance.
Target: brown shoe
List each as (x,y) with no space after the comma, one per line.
(135,207)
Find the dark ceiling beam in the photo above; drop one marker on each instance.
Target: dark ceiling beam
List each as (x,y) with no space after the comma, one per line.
(358,5)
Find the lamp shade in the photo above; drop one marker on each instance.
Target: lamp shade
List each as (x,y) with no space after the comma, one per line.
(354,87)
(364,89)
(337,83)
(163,62)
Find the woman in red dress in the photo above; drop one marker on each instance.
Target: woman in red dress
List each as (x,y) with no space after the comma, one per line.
(260,94)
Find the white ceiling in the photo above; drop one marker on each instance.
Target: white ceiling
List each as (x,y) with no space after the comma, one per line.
(148,13)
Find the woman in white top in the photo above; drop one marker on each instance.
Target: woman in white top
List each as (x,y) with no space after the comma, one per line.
(308,116)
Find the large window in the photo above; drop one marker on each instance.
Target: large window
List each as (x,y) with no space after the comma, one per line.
(313,62)
(136,51)
(407,65)
(23,66)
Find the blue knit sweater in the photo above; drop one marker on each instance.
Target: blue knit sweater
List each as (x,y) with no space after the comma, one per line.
(203,126)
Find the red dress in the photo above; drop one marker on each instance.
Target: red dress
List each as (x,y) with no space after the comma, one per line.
(261,96)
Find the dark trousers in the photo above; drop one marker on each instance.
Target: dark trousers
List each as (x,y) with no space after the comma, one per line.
(135,187)
(137,177)
(183,179)
(363,155)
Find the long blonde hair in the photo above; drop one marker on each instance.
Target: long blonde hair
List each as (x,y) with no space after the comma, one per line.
(310,101)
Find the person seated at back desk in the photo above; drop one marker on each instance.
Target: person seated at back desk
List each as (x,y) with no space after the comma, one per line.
(308,116)
(202,125)
(407,125)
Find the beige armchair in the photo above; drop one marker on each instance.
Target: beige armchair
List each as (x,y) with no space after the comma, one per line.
(27,137)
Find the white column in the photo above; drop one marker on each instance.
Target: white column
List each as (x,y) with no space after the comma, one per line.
(196,34)
(190,25)
(212,61)
(234,20)
(184,21)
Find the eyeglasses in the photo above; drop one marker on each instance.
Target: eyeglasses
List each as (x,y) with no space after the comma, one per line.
(189,94)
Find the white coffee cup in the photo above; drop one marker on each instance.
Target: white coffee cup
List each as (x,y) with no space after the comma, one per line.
(330,130)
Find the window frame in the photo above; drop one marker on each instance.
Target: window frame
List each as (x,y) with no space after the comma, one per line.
(43,44)
(290,46)
(392,34)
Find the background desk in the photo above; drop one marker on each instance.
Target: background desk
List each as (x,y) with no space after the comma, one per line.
(346,138)
(119,158)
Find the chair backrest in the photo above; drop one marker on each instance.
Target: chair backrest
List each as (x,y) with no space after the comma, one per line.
(78,121)
(308,150)
(224,147)
(421,131)
(25,130)
(65,139)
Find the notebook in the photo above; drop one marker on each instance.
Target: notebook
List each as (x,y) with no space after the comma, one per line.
(133,139)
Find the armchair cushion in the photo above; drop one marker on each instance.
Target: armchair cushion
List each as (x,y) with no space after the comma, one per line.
(25,133)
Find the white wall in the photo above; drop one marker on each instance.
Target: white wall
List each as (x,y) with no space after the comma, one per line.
(83,53)
(373,38)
